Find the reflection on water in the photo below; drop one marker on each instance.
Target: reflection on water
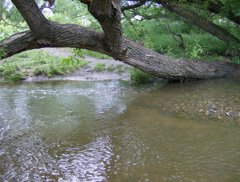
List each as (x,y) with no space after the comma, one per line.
(108,131)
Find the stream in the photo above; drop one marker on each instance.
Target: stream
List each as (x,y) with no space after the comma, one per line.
(112,131)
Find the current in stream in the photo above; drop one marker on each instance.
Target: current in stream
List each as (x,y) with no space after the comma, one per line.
(111,131)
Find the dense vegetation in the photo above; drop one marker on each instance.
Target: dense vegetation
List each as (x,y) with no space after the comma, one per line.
(151,26)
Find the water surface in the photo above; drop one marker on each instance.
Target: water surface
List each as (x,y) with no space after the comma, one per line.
(110,131)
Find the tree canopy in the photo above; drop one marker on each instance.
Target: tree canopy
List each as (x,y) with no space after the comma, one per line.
(111,21)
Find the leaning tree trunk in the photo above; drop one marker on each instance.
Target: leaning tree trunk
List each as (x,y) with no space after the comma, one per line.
(110,42)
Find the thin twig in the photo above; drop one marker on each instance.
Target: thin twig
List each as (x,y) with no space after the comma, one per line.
(174,35)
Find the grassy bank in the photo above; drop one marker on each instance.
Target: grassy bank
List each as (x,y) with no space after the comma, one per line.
(40,63)
(35,63)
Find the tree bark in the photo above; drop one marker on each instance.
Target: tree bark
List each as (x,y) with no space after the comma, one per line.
(38,24)
(64,36)
(108,14)
(176,69)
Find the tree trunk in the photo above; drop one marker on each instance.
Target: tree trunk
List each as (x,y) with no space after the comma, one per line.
(108,14)
(38,24)
(176,69)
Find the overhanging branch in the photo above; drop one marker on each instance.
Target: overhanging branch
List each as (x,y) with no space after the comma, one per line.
(67,36)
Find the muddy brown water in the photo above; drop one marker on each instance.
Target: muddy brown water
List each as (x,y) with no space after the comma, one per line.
(111,131)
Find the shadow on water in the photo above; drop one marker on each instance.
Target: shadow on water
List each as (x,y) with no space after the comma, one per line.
(110,131)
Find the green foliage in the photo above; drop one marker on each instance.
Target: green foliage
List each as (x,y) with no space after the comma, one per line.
(72,63)
(231,7)
(11,72)
(2,53)
(138,77)
(236,60)
(169,51)
(100,67)
(210,44)
(156,35)
(66,11)
(37,63)
(49,70)
(194,51)
(78,52)
(6,30)
(234,48)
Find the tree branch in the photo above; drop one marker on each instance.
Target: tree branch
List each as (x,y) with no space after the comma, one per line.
(200,21)
(39,25)
(180,40)
(65,36)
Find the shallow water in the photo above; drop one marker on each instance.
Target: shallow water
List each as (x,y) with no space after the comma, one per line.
(110,131)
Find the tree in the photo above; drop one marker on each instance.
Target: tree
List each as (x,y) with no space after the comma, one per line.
(46,33)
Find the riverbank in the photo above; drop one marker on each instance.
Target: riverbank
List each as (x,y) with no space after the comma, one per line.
(96,69)
(61,64)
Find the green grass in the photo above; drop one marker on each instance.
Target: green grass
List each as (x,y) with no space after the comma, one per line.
(11,72)
(35,63)
(198,44)
(100,67)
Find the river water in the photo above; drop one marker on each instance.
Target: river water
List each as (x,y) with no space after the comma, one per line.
(111,131)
